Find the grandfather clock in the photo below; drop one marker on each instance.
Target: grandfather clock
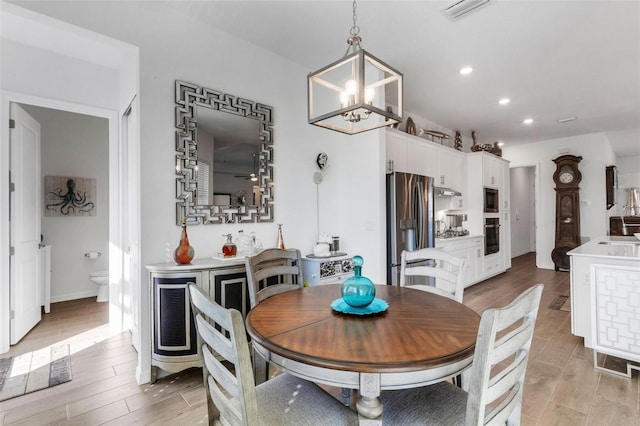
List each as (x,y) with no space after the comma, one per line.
(567,178)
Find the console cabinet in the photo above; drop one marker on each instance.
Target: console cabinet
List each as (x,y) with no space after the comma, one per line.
(329,270)
(173,335)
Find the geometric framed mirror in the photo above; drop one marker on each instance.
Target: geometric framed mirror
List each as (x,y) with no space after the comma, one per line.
(224,157)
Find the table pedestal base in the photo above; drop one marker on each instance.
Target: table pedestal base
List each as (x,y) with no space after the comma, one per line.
(369,404)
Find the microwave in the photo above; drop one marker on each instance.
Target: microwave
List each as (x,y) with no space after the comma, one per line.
(491,203)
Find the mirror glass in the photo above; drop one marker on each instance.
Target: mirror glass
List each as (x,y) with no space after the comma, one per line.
(224,158)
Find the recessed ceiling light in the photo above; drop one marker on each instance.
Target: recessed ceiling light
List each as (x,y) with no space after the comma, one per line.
(504,101)
(565,120)
(500,143)
(528,120)
(466,70)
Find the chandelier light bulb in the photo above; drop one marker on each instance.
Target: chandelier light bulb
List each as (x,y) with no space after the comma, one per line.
(344,99)
(351,87)
(369,94)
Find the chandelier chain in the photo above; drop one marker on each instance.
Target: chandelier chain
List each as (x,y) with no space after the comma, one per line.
(355,29)
(353,42)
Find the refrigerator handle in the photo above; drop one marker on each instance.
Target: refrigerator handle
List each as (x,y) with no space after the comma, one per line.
(419,199)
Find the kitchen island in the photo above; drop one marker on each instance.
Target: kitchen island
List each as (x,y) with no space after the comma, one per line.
(605,296)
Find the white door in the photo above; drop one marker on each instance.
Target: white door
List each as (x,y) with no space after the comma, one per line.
(26,200)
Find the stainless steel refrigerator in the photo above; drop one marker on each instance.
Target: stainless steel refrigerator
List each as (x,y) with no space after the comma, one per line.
(410,218)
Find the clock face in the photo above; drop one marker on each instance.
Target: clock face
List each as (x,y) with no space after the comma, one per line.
(566,177)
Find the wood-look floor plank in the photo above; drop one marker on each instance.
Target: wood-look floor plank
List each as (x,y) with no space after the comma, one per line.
(577,388)
(61,399)
(605,412)
(559,415)
(100,415)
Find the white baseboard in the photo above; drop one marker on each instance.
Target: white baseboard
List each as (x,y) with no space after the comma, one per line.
(73,296)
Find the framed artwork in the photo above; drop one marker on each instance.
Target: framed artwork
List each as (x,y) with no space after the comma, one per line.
(69,196)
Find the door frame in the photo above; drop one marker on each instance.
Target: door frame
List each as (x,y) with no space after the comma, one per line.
(536,208)
(116,267)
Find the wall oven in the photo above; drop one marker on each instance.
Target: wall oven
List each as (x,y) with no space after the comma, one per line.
(491,235)
(491,203)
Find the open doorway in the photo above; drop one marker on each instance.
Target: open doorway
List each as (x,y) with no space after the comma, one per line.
(523,210)
(72,221)
(74,147)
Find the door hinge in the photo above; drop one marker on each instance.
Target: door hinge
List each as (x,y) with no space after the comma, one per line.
(12,187)
(12,123)
(12,315)
(12,251)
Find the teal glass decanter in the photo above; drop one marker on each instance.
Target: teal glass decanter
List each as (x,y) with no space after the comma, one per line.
(358,291)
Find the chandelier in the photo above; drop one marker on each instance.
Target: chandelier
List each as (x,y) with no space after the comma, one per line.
(356,93)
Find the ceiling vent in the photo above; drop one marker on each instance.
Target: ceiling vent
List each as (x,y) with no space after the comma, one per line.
(463,7)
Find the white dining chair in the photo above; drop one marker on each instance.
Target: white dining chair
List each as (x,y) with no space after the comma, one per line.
(496,378)
(273,271)
(270,272)
(233,398)
(446,269)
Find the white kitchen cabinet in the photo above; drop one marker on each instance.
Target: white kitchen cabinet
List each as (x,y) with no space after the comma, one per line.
(487,170)
(453,174)
(505,240)
(449,168)
(412,154)
(491,171)
(492,265)
(469,248)
(476,262)
(419,157)
(504,185)
(396,148)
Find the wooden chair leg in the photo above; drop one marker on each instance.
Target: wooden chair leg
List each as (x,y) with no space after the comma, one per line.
(346,396)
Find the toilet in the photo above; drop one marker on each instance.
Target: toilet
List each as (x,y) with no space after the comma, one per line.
(101,279)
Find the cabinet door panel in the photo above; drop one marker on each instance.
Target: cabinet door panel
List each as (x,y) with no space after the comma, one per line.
(174,329)
(396,147)
(491,171)
(418,157)
(230,289)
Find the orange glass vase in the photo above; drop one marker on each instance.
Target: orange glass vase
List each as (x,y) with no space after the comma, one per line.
(184,252)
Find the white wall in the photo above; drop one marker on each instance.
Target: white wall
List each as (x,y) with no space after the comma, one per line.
(596,155)
(522,211)
(76,145)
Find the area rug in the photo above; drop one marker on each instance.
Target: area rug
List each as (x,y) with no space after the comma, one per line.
(34,371)
(558,302)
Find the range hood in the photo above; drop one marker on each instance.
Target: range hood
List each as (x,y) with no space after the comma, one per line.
(445,192)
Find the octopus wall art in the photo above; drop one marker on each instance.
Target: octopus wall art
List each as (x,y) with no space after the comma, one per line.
(68,196)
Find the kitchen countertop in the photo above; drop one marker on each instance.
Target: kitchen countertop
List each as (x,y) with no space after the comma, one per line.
(611,247)
(466,237)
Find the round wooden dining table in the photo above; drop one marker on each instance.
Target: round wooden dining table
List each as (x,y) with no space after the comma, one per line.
(422,338)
